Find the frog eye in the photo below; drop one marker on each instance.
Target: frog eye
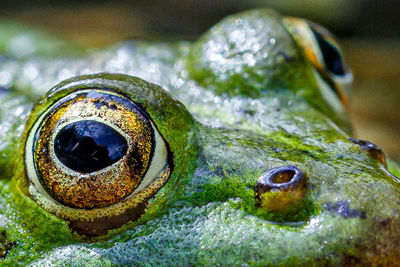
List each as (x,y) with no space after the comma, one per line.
(95,155)
(330,55)
(322,50)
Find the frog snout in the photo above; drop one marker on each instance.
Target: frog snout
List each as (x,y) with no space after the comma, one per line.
(282,190)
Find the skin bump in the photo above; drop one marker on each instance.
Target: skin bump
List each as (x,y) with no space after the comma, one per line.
(371,149)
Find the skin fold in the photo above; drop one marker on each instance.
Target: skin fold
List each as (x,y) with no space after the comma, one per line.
(235,104)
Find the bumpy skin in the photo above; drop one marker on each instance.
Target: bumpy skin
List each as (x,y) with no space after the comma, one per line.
(234,104)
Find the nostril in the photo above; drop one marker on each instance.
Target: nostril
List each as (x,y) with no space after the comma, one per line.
(370,148)
(281,189)
(282,178)
(377,153)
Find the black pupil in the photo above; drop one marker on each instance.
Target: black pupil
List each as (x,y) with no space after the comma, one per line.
(88,146)
(330,53)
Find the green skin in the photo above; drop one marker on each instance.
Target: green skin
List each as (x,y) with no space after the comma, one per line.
(231,106)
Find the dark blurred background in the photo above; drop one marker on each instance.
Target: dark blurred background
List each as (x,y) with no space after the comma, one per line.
(369,31)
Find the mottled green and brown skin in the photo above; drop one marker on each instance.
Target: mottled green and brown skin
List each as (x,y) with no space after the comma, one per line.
(234,104)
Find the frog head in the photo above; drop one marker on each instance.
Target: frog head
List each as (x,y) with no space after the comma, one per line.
(234,149)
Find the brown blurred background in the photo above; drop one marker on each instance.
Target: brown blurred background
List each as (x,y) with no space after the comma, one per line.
(369,31)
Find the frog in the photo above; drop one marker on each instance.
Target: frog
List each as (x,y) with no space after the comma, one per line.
(232,149)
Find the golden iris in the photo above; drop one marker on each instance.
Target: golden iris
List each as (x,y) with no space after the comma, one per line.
(110,184)
(95,158)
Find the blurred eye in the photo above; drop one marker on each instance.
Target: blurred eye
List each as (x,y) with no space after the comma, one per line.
(321,49)
(329,49)
(95,155)
(332,58)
